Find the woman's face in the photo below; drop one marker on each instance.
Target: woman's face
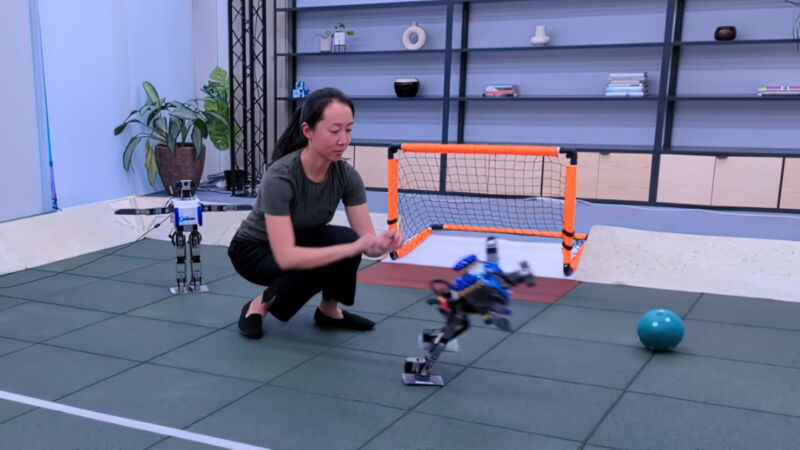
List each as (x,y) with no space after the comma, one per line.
(331,136)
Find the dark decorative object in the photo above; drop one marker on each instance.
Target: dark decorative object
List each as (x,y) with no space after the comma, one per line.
(406,87)
(725,33)
(179,166)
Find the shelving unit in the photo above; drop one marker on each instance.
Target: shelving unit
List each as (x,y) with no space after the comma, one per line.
(630,133)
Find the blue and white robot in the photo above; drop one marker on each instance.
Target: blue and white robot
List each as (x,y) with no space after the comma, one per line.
(481,288)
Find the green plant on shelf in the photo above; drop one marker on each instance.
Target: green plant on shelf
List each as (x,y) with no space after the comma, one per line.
(339,28)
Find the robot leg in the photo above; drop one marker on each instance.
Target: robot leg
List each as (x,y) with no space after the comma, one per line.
(179,241)
(196,283)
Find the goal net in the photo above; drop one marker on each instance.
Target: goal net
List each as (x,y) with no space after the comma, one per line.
(512,189)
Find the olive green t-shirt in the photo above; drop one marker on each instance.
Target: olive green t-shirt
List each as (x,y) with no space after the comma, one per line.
(285,190)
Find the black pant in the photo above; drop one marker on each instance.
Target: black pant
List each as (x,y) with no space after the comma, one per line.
(293,288)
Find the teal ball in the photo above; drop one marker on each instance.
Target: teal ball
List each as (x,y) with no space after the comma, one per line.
(660,329)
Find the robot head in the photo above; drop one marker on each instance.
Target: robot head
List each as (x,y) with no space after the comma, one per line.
(184,189)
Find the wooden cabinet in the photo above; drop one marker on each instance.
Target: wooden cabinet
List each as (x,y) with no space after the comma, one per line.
(790,189)
(686,179)
(746,181)
(371,164)
(588,163)
(624,176)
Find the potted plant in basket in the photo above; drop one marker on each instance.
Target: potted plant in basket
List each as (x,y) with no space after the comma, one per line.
(177,129)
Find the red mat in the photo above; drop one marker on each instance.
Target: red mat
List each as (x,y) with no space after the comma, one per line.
(547,290)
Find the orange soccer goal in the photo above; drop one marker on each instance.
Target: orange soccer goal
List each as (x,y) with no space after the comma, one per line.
(514,189)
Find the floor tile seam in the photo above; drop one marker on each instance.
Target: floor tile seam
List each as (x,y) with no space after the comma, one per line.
(373,352)
(747,325)
(541,377)
(743,361)
(616,402)
(70,271)
(221,327)
(22,300)
(403,415)
(137,364)
(33,409)
(682,352)
(163,438)
(46,276)
(721,405)
(203,372)
(340,346)
(104,319)
(684,317)
(81,308)
(575,339)
(206,281)
(335,397)
(501,427)
(597,308)
(87,352)
(30,344)
(64,347)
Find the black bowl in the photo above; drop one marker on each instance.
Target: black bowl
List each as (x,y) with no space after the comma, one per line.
(406,87)
(725,33)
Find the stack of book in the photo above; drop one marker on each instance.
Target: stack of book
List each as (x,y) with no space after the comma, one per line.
(632,84)
(501,90)
(777,89)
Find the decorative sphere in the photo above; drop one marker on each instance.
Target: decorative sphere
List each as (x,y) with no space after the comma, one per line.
(660,329)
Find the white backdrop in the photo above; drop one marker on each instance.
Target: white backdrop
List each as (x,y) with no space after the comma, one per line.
(20,177)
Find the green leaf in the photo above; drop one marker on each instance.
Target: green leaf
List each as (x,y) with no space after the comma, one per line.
(151,165)
(128,154)
(174,130)
(217,116)
(184,113)
(219,74)
(197,140)
(160,126)
(121,128)
(200,125)
(219,135)
(151,92)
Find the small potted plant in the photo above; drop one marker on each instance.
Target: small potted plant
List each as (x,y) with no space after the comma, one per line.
(217,92)
(177,129)
(340,34)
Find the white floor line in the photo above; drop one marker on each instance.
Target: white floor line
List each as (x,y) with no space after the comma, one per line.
(129,423)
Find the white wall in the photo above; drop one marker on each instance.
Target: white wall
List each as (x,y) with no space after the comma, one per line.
(210,45)
(20,176)
(96,55)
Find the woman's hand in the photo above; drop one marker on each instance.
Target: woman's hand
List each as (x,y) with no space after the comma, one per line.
(389,241)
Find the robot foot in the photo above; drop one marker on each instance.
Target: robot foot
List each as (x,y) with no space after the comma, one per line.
(412,377)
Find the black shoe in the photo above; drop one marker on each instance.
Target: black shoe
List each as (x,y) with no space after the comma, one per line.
(250,326)
(349,321)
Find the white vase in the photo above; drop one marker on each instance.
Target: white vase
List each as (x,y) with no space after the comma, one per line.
(325,44)
(541,37)
(339,41)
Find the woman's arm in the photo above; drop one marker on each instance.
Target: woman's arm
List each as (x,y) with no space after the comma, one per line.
(359,219)
(289,256)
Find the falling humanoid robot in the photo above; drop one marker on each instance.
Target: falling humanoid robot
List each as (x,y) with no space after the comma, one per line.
(481,288)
